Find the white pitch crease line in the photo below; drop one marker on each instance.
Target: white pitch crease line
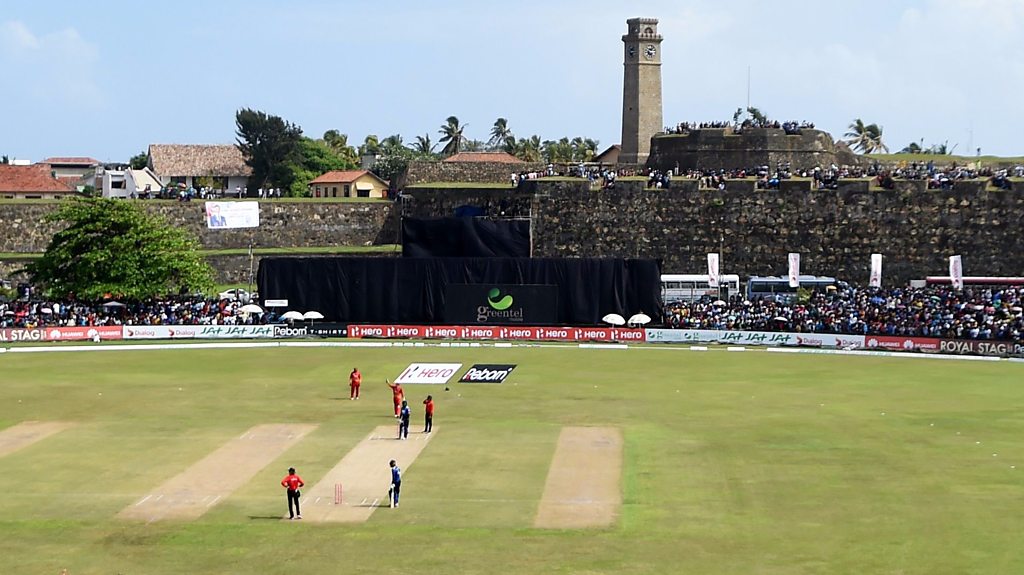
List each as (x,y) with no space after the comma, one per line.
(143,500)
(215,499)
(317,500)
(375,501)
(159,497)
(363,502)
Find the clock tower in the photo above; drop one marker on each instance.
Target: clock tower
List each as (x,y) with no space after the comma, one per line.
(641,89)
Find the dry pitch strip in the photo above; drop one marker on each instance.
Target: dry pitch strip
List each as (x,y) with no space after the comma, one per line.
(583,487)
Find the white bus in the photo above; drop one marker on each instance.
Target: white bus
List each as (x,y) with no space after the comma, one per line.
(777,288)
(692,287)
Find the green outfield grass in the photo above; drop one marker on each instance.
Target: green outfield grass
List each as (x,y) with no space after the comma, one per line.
(734,462)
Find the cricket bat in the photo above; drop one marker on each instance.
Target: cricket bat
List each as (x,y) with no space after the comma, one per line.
(391,496)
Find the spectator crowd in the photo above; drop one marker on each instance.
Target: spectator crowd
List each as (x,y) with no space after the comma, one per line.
(170,311)
(941,312)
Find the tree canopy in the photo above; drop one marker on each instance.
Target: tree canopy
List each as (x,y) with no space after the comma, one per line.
(312,158)
(139,161)
(114,248)
(267,143)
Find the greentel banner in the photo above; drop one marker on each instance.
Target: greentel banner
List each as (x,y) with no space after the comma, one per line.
(501,304)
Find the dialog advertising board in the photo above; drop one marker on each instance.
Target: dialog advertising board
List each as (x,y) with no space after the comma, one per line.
(501,304)
(200,331)
(76,333)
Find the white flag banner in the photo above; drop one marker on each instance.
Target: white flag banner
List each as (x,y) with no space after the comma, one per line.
(876,271)
(794,270)
(956,272)
(713,270)
(228,215)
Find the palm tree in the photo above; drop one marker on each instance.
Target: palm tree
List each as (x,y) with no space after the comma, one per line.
(371,145)
(866,139)
(393,141)
(423,145)
(338,143)
(500,134)
(471,145)
(451,136)
(526,149)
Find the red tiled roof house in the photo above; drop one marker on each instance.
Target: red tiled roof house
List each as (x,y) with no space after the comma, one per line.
(348,184)
(34,182)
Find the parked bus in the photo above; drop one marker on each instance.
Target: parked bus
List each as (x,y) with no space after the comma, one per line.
(778,288)
(692,287)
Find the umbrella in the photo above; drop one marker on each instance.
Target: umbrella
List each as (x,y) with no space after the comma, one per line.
(640,319)
(780,318)
(312,315)
(46,310)
(291,315)
(718,302)
(614,319)
(8,312)
(250,308)
(111,304)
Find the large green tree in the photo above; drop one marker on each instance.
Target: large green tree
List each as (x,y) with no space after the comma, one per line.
(267,143)
(313,158)
(110,247)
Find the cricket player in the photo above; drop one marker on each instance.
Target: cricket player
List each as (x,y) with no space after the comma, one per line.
(398,393)
(355,379)
(403,420)
(396,482)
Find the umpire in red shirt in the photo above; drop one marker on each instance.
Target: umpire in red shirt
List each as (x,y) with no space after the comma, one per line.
(292,483)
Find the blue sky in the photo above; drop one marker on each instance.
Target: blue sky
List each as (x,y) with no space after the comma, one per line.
(107,79)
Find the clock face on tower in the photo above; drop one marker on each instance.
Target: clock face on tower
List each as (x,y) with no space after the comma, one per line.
(650,51)
(632,52)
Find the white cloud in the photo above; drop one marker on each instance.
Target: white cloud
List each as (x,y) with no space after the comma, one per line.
(56,67)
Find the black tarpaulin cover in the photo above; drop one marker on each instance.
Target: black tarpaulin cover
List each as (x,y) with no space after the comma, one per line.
(412,290)
(465,238)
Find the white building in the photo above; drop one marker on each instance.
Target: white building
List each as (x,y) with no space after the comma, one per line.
(125,183)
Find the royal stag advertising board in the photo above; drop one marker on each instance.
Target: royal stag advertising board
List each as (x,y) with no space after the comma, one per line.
(476,304)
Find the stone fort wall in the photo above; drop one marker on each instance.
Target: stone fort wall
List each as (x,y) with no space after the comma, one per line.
(282,225)
(723,149)
(835,231)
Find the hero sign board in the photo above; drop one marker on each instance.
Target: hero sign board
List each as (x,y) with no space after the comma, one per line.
(434,373)
(487,373)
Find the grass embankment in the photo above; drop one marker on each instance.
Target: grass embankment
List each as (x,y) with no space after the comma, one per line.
(734,462)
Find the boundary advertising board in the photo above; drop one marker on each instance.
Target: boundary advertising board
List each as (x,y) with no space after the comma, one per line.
(498,333)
